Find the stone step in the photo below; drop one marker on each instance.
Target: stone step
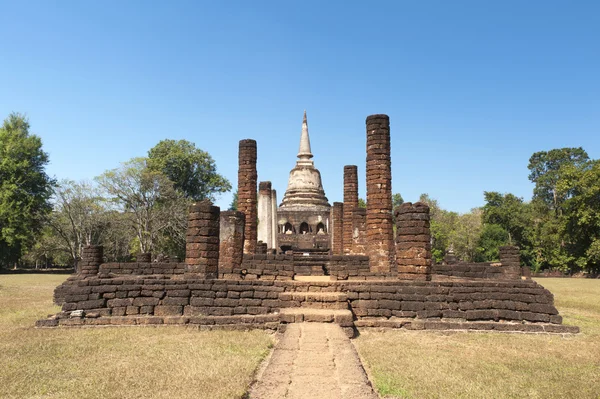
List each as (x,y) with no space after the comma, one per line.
(343,317)
(312,278)
(317,300)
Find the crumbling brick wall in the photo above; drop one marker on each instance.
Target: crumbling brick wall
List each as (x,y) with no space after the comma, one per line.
(350,204)
(142,268)
(247,199)
(202,240)
(413,241)
(138,300)
(380,231)
(144,257)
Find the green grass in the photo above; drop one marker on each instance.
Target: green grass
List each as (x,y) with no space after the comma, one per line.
(410,364)
(138,362)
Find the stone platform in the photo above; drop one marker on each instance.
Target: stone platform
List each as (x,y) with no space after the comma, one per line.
(511,305)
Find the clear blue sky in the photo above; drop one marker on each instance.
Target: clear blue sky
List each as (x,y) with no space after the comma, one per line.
(472,88)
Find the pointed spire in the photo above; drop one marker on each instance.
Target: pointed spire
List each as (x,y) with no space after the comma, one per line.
(304,154)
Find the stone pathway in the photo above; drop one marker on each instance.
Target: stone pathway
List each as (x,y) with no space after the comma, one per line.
(313,360)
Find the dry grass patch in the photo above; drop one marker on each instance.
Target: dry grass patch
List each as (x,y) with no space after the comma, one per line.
(410,364)
(136,362)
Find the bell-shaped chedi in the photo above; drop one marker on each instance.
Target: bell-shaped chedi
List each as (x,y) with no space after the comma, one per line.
(305,190)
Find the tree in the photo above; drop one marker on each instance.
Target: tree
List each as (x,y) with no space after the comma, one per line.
(545,171)
(25,188)
(79,217)
(234,202)
(582,213)
(191,170)
(466,235)
(508,211)
(397,200)
(492,237)
(154,211)
(362,203)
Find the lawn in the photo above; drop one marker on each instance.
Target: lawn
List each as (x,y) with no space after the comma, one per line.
(179,362)
(128,362)
(411,364)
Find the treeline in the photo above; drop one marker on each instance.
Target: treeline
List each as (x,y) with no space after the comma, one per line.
(140,206)
(558,229)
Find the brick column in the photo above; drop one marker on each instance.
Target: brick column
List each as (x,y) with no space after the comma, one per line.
(337,228)
(202,240)
(350,203)
(231,238)
(265,214)
(510,257)
(247,201)
(91,259)
(380,232)
(413,241)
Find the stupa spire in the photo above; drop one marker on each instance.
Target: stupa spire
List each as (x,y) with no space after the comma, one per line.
(304,154)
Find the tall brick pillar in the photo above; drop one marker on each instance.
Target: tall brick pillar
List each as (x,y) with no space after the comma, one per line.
(350,204)
(413,241)
(380,232)
(91,259)
(231,242)
(247,200)
(202,240)
(337,230)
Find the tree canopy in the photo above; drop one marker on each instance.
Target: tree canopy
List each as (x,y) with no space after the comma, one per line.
(191,170)
(25,188)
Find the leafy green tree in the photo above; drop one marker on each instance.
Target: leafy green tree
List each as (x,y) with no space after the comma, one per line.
(582,213)
(25,188)
(191,170)
(362,203)
(508,211)
(545,173)
(492,237)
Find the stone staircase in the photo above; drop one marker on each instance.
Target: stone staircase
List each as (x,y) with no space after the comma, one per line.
(318,307)
(310,265)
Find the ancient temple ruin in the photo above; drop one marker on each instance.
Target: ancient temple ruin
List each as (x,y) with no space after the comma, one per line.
(303,218)
(265,266)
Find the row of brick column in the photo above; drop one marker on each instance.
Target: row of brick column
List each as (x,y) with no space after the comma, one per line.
(337,228)
(380,231)
(247,193)
(91,259)
(202,239)
(413,241)
(350,204)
